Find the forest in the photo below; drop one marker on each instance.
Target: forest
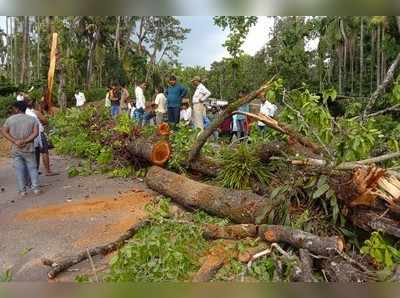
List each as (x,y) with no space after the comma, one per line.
(315,197)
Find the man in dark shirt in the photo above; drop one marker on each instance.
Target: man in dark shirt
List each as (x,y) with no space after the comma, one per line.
(174,93)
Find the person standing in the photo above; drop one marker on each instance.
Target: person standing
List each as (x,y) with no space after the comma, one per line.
(107,103)
(115,97)
(80,98)
(21,130)
(161,102)
(186,114)
(268,109)
(41,143)
(124,99)
(241,120)
(199,97)
(174,93)
(140,102)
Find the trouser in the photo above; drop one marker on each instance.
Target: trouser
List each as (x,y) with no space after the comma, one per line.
(138,114)
(199,112)
(241,123)
(173,115)
(115,110)
(26,169)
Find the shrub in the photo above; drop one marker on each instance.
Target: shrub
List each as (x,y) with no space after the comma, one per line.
(5,106)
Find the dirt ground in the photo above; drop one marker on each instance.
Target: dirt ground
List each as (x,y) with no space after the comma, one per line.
(71,215)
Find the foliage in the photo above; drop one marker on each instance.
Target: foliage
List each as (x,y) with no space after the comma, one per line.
(238,26)
(6,106)
(356,139)
(181,141)
(95,94)
(380,250)
(164,251)
(6,276)
(239,166)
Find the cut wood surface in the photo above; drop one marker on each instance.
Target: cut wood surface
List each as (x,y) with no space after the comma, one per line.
(325,246)
(157,152)
(239,206)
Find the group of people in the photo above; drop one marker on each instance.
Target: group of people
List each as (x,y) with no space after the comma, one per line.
(169,105)
(25,129)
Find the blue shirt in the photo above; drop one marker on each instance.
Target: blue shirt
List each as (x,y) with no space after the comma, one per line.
(174,95)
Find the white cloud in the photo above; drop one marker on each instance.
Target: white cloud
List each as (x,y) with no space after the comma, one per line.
(258,35)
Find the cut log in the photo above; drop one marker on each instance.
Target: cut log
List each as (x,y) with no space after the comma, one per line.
(60,266)
(370,221)
(239,206)
(234,232)
(340,270)
(157,152)
(209,268)
(205,166)
(163,129)
(326,246)
(306,266)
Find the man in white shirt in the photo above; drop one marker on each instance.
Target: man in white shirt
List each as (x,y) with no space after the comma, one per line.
(20,96)
(199,97)
(267,109)
(140,102)
(80,98)
(161,102)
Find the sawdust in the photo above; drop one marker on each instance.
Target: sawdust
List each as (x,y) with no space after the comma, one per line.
(103,234)
(130,201)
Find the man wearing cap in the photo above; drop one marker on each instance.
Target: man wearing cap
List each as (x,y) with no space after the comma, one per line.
(199,97)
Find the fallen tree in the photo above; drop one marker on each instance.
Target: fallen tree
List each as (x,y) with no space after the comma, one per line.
(157,152)
(239,206)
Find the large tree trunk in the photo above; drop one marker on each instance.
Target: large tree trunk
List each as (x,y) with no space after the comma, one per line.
(157,152)
(239,206)
(361,55)
(25,49)
(89,67)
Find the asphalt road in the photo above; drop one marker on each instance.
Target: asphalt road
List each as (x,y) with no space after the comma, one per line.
(71,215)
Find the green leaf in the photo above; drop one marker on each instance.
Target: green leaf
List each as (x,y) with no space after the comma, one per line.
(320,191)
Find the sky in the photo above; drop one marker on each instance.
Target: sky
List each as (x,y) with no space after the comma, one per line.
(203,45)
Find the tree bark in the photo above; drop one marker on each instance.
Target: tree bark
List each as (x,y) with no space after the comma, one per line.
(306,266)
(325,246)
(340,270)
(239,206)
(25,49)
(370,221)
(209,268)
(378,57)
(389,77)
(58,267)
(157,152)
(233,232)
(203,137)
(361,55)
